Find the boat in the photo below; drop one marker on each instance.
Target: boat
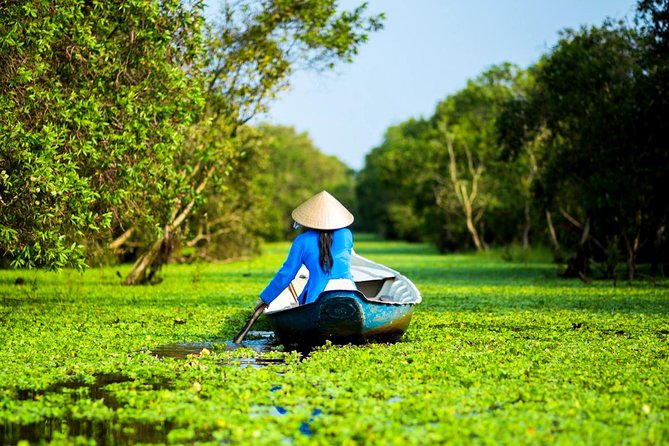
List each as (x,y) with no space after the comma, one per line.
(378,309)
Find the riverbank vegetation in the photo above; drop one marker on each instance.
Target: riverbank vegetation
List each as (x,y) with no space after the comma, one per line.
(498,352)
(119,121)
(125,137)
(569,153)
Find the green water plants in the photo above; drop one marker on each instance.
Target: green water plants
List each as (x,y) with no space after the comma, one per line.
(498,352)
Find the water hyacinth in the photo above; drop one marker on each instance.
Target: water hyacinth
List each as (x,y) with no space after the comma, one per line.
(498,352)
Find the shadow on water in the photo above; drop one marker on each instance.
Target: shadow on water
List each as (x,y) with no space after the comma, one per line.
(105,432)
(102,431)
(78,389)
(111,431)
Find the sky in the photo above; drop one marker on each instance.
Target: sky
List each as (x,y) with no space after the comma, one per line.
(427,50)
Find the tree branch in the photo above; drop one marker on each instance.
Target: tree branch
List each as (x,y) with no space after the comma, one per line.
(122,239)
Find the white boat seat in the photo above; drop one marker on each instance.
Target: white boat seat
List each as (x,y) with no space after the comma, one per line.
(340,284)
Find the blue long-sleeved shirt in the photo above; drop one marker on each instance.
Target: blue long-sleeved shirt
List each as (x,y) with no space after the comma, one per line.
(304,250)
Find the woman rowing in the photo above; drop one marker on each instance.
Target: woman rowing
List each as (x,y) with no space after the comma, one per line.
(324,248)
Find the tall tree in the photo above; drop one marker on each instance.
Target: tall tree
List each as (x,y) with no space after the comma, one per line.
(251,51)
(441,179)
(392,188)
(519,140)
(653,20)
(296,170)
(600,168)
(467,151)
(233,217)
(94,100)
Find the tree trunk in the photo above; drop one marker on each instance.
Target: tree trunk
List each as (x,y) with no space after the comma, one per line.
(481,234)
(116,244)
(465,197)
(470,220)
(579,263)
(149,263)
(632,250)
(534,169)
(551,231)
(526,230)
(657,263)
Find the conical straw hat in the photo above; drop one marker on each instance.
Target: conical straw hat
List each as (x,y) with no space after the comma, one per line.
(322,211)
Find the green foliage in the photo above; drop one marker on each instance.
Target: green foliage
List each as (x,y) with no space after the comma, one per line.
(470,180)
(572,150)
(95,99)
(430,178)
(270,171)
(251,51)
(119,121)
(601,160)
(255,45)
(498,353)
(396,175)
(230,222)
(297,170)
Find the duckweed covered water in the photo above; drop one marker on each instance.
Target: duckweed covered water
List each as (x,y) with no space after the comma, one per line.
(498,353)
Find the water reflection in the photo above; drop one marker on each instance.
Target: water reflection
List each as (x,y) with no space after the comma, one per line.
(258,341)
(102,431)
(111,430)
(181,350)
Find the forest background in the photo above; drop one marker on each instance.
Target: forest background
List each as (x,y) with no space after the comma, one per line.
(125,137)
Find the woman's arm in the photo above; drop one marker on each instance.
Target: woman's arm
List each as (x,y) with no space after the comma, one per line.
(286,274)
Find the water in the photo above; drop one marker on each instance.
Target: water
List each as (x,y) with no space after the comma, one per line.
(181,350)
(102,431)
(259,341)
(111,431)
(105,432)
(78,389)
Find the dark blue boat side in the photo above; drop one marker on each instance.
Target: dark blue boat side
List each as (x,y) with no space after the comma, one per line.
(341,317)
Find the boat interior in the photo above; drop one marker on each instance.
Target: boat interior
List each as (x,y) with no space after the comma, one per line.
(387,290)
(371,288)
(376,282)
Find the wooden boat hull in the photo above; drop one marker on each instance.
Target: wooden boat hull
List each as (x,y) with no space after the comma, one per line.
(341,317)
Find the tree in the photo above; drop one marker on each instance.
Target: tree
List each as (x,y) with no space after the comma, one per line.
(392,186)
(255,45)
(519,140)
(96,98)
(653,20)
(437,179)
(279,168)
(251,51)
(125,116)
(233,216)
(466,151)
(600,165)
(297,170)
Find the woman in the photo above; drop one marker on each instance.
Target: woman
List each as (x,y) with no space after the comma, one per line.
(324,248)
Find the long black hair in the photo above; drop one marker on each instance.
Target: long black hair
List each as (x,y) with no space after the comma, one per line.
(324,250)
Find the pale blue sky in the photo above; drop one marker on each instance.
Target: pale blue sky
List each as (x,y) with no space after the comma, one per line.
(427,50)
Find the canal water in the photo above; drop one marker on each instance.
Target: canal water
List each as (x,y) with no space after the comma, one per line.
(111,432)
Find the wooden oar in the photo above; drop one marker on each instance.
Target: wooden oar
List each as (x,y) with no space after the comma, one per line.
(256,314)
(249,323)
